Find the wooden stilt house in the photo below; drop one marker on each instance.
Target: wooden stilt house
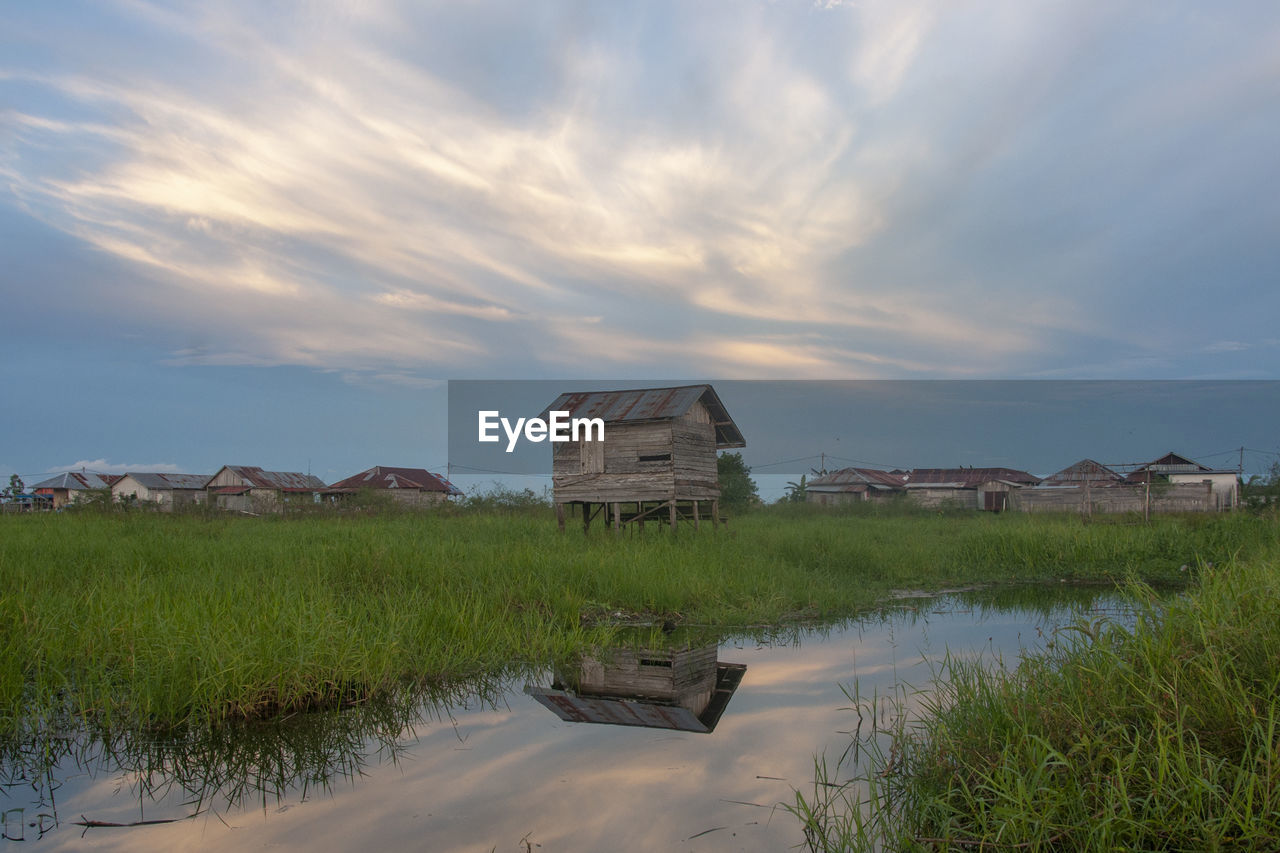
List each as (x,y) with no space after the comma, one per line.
(657,459)
(686,689)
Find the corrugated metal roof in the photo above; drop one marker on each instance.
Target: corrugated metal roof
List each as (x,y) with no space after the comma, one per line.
(78,481)
(967,478)
(1172,463)
(849,478)
(619,712)
(387,477)
(286,480)
(648,404)
(1084,471)
(160,481)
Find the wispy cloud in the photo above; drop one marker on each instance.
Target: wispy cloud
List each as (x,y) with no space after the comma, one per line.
(825,189)
(102,466)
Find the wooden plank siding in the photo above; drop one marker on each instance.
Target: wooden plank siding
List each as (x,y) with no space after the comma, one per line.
(673,459)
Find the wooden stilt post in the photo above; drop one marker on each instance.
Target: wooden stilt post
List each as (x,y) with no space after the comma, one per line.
(617,517)
(586,516)
(695,514)
(672,513)
(715,514)
(560,516)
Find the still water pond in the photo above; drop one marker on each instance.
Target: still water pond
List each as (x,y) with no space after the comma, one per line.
(513,772)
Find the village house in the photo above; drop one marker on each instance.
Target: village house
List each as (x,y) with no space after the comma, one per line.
(855,485)
(165,492)
(991,489)
(409,486)
(247,488)
(1223,484)
(1086,472)
(73,486)
(657,460)
(1171,483)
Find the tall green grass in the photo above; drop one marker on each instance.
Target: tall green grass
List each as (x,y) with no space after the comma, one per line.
(163,620)
(1162,737)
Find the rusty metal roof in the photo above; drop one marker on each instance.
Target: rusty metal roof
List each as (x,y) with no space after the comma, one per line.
(387,477)
(856,479)
(254,476)
(1172,463)
(619,712)
(1084,471)
(967,478)
(650,404)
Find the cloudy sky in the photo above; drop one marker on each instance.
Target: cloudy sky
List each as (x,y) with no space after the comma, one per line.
(265,233)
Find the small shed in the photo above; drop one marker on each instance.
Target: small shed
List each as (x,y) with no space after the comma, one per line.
(409,486)
(164,491)
(248,488)
(656,460)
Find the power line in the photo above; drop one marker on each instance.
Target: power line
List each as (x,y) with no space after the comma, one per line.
(785,461)
(469,468)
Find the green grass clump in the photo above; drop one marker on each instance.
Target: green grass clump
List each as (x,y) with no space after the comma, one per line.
(1163,737)
(145,618)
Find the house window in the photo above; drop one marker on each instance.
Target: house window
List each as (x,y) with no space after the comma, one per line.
(656,457)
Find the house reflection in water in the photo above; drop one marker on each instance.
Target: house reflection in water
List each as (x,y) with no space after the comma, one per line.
(684,689)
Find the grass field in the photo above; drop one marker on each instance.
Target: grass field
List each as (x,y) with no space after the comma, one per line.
(1165,736)
(159,620)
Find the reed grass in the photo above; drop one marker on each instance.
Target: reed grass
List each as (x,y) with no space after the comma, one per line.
(1165,736)
(158,620)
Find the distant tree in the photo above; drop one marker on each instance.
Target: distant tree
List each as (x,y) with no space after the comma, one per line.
(1262,491)
(796,492)
(16,487)
(737,489)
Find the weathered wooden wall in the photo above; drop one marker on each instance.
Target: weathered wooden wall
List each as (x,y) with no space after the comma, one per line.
(648,461)
(687,677)
(937,498)
(693,442)
(1165,497)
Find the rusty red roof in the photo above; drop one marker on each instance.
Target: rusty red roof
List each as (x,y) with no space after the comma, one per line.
(387,477)
(252,475)
(967,478)
(650,404)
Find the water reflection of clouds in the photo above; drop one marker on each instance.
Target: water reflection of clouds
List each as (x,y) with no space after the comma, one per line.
(486,777)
